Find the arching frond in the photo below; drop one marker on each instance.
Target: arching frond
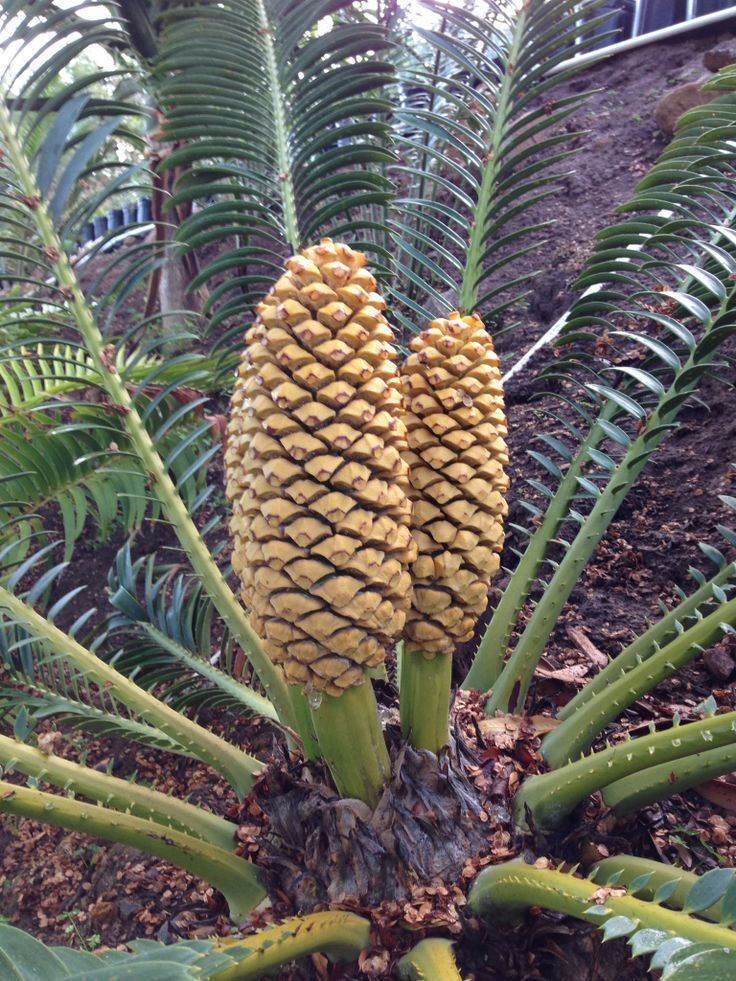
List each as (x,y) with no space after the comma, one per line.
(280,133)
(160,445)
(83,468)
(167,641)
(34,375)
(680,944)
(479,134)
(37,684)
(637,346)
(342,936)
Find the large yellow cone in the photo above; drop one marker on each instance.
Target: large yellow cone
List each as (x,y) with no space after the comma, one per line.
(454,414)
(316,476)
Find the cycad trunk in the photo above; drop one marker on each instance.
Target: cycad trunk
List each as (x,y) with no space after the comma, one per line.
(169,288)
(174,294)
(427,826)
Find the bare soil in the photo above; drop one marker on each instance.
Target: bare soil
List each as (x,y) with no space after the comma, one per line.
(68,889)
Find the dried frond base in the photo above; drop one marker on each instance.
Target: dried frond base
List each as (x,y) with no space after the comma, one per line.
(319,849)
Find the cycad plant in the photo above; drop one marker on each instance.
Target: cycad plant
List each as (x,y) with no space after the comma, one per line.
(365,465)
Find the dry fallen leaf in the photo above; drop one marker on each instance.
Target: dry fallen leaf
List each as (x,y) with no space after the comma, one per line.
(511,725)
(574,675)
(586,646)
(719,792)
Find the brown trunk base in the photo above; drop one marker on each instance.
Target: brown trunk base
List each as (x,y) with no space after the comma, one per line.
(319,849)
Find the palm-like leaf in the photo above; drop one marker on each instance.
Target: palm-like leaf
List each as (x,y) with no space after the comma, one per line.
(340,935)
(72,133)
(38,684)
(164,631)
(476,130)
(281,129)
(159,440)
(35,375)
(671,300)
(680,944)
(83,465)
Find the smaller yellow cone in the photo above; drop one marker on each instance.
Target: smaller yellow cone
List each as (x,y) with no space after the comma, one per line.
(456,452)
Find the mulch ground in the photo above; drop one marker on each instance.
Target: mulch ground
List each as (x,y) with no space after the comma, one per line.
(68,889)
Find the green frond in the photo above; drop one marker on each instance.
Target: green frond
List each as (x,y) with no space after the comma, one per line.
(38,685)
(672,887)
(342,936)
(669,280)
(95,681)
(431,960)
(237,879)
(159,449)
(636,678)
(680,945)
(85,468)
(74,132)
(166,640)
(478,133)
(34,374)
(275,113)
(636,772)
(127,796)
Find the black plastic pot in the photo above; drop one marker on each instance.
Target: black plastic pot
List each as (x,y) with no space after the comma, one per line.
(100,225)
(144,209)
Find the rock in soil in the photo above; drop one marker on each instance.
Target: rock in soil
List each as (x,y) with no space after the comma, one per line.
(672,105)
(720,661)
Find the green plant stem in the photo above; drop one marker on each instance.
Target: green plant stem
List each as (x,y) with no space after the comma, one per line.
(430,960)
(547,799)
(351,741)
(162,485)
(578,731)
(489,659)
(622,870)
(119,795)
(235,878)
(425,699)
(660,782)
(280,132)
(238,767)
(646,645)
(340,935)
(512,887)
(305,726)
